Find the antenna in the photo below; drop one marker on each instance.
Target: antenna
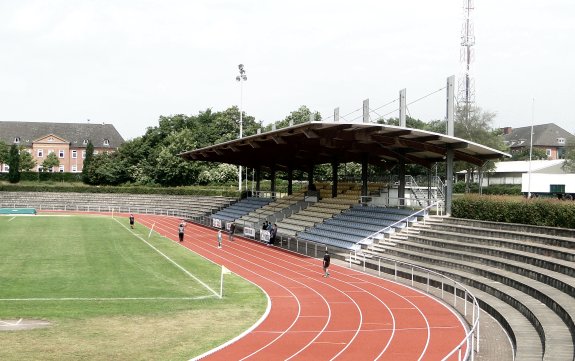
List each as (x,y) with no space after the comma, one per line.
(466,84)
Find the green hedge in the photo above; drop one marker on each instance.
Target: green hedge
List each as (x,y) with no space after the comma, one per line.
(46,177)
(539,212)
(199,191)
(502,189)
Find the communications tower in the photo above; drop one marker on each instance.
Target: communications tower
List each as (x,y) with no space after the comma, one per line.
(466,83)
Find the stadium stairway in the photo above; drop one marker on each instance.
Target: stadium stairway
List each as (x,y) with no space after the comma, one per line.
(522,276)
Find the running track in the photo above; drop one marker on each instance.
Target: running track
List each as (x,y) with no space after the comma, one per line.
(349,316)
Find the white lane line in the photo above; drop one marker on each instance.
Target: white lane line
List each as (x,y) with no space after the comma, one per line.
(169,259)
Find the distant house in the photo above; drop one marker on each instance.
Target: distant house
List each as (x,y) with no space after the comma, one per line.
(549,137)
(511,172)
(67,140)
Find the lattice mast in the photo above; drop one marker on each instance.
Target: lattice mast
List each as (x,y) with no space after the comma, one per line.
(466,84)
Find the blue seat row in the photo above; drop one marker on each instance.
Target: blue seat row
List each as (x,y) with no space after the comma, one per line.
(329,241)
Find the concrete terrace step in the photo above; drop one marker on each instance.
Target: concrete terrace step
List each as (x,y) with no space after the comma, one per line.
(555,331)
(522,258)
(537,243)
(518,230)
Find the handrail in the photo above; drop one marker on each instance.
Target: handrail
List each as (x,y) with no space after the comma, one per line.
(397,223)
(457,286)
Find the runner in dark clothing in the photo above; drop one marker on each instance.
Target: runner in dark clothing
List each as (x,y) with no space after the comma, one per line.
(326,261)
(181,231)
(132,221)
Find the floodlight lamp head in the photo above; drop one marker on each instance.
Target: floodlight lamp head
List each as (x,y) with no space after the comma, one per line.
(238,78)
(241,66)
(244,77)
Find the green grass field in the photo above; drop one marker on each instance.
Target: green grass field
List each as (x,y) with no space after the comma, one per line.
(109,295)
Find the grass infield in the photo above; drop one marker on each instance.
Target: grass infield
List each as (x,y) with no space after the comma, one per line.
(109,295)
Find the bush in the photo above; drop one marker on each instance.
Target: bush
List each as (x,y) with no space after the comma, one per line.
(49,187)
(46,177)
(501,189)
(539,212)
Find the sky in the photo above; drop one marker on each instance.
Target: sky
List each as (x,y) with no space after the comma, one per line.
(129,62)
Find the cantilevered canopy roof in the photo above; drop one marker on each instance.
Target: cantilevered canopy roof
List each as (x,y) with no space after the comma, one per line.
(303,145)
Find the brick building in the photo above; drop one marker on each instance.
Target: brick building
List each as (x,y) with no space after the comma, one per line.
(67,140)
(549,137)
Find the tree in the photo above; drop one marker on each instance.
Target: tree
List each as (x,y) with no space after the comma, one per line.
(473,124)
(14,164)
(50,162)
(27,162)
(87,161)
(4,153)
(536,154)
(300,116)
(569,164)
(107,168)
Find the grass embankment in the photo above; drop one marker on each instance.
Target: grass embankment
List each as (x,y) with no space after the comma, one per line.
(109,295)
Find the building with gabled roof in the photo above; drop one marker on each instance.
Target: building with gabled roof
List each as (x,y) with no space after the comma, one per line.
(549,137)
(511,172)
(67,140)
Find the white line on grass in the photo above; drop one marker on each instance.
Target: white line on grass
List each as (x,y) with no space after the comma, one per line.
(4,323)
(169,259)
(11,219)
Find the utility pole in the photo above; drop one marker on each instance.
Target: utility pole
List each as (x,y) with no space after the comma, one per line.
(241,78)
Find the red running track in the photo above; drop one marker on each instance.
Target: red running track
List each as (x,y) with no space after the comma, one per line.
(348,316)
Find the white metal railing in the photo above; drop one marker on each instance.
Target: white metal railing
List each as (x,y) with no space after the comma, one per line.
(436,205)
(386,230)
(408,271)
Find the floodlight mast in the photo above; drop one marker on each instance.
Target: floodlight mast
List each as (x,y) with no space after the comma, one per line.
(241,78)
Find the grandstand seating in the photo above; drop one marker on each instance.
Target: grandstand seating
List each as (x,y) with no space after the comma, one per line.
(241,208)
(522,275)
(180,205)
(274,211)
(358,225)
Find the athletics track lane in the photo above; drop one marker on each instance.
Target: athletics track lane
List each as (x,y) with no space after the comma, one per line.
(349,316)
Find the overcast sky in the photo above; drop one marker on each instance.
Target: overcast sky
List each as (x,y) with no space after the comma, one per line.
(127,62)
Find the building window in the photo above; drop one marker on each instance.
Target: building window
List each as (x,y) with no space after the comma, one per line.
(74,168)
(17,140)
(548,152)
(50,151)
(61,169)
(74,154)
(40,153)
(6,168)
(61,153)
(95,152)
(106,142)
(561,140)
(83,154)
(85,141)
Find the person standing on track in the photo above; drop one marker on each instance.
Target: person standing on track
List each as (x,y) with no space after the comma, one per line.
(181,231)
(326,261)
(232,229)
(220,238)
(132,220)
